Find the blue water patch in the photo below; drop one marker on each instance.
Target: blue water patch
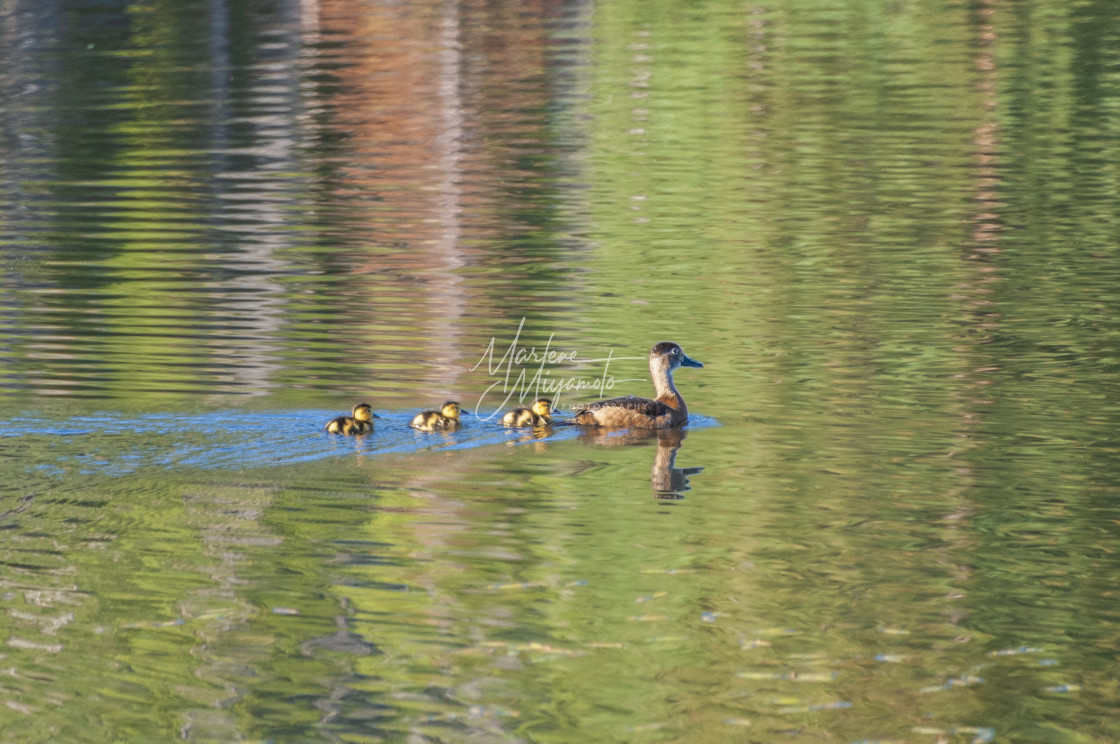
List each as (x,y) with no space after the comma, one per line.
(116,444)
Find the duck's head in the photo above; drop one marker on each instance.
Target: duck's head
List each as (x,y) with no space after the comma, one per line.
(364,412)
(671,356)
(452,410)
(542,407)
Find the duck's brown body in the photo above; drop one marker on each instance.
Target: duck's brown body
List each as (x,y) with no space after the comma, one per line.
(665,411)
(634,411)
(539,415)
(361,422)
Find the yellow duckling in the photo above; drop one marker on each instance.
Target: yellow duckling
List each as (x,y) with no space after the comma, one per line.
(445,419)
(361,422)
(539,415)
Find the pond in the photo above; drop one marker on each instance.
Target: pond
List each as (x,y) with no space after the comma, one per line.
(889,231)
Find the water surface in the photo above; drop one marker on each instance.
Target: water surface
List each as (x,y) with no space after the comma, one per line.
(890,233)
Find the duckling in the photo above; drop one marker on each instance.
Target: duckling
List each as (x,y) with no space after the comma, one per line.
(663,412)
(539,415)
(445,419)
(361,422)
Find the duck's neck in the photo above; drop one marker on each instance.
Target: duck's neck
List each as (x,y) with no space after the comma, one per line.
(664,387)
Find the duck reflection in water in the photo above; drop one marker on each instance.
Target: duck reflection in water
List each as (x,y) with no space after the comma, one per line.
(667,480)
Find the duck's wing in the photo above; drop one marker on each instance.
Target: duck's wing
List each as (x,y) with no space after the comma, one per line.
(646,406)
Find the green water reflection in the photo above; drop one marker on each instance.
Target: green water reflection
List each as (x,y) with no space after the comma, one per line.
(543,591)
(889,230)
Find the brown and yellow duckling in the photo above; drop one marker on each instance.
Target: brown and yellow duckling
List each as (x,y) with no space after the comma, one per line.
(539,415)
(663,412)
(445,419)
(360,422)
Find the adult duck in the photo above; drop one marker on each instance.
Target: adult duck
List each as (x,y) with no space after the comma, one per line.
(665,411)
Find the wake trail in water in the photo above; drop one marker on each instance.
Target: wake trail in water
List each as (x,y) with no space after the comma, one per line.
(118,444)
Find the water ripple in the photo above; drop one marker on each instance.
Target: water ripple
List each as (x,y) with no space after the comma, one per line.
(116,444)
